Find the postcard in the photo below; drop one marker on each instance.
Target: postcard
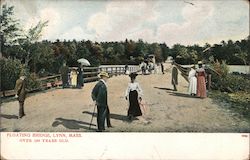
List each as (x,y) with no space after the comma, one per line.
(125,79)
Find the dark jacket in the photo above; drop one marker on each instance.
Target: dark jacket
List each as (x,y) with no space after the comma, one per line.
(64,70)
(20,90)
(99,94)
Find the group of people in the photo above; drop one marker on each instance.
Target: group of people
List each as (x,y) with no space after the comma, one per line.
(197,81)
(133,94)
(147,68)
(73,78)
(196,78)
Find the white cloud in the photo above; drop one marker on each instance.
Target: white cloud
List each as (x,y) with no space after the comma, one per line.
(77,33)
(153,21)
(121,18)
(186,32)
(46,14)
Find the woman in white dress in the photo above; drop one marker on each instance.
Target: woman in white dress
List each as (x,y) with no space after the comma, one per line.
(73,75)
(192,88)
(133,94)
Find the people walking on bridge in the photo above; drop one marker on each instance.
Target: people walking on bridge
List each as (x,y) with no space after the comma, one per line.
(126,70)
(201,81)
(134,95)
(151,67)
(143,67)
(73,76)
(64,70)
(80,80)
(192,87)
(174,76)
(100,97)
(20,89)
(162,68)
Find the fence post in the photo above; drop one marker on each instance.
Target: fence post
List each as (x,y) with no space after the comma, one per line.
(209,81)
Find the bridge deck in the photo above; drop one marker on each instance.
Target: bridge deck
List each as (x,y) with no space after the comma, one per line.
(70,109)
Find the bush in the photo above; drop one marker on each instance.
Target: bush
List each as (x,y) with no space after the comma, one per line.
(32,83)
(235,83)
(225,82)
(10,71)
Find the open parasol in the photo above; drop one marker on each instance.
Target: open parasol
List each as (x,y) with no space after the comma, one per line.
(83,61)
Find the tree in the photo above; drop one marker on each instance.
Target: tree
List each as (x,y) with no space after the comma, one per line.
(165,51)
(156,50)
(27,42)
(9,29)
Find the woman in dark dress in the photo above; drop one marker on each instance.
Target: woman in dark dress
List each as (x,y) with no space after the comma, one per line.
(133,94)
(80,80)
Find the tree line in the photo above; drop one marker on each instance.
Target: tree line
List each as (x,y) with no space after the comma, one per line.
(46,57)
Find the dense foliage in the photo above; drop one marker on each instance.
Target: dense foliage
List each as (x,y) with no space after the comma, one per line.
(10,71)
(46,57)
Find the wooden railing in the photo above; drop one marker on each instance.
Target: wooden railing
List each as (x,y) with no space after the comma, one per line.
(90,74)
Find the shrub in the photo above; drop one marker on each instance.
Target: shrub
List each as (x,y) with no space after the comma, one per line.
(10,71)
(235,83)
(32,82)
(223,81)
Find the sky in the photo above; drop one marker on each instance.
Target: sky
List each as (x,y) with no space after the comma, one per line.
(185,22)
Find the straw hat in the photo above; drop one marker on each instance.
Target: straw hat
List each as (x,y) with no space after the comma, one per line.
(105,74)
(200,62)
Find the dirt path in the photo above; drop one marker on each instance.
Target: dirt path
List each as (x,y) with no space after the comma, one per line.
(70,110)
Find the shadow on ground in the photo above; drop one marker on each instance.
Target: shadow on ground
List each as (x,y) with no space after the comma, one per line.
(72,124)
(8,116)
(181,95)
(168,89)
(112,115)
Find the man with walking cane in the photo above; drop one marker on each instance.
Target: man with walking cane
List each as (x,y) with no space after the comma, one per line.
(99,95)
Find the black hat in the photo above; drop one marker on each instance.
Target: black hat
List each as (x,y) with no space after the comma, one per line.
(133,75)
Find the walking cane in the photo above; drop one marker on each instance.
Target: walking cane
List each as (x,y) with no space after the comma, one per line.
(92,117)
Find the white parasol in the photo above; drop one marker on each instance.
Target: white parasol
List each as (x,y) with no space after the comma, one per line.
(83,61)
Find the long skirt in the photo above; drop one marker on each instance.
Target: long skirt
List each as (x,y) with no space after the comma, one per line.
(74,80)
(201,87)
(80,80)
(134,107)
(192,88)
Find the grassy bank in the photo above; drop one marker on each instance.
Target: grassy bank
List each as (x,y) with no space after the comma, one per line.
(238,102)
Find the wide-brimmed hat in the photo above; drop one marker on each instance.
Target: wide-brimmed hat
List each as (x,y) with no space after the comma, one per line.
(133,75)
(199,62)
(103,73)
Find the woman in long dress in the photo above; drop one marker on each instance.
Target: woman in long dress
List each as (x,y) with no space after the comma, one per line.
(133,94)
(192,88)
(201,81)
(73,76)
(80,80)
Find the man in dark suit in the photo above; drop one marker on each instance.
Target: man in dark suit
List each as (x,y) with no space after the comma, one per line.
(64,70)
(99,95)
(20,89)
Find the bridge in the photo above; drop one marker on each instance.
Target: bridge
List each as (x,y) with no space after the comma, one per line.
(67,110)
